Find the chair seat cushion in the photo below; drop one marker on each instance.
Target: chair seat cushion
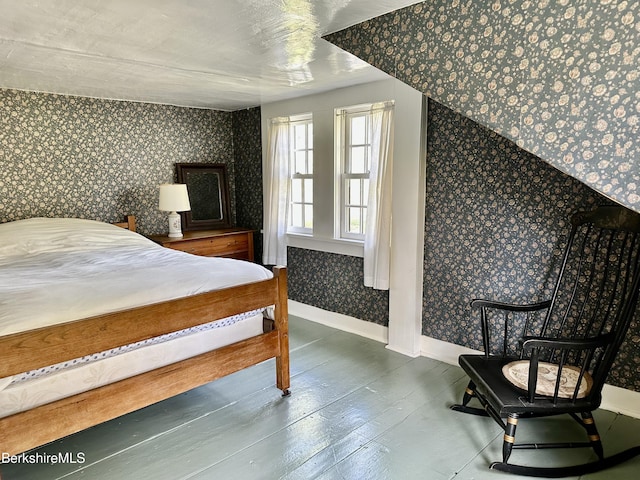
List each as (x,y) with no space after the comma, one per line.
(505,398)
(518,374)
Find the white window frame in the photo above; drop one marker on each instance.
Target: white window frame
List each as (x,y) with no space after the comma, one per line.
(297,120)
(343,170)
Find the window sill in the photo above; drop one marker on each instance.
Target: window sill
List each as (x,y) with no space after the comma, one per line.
(352,248)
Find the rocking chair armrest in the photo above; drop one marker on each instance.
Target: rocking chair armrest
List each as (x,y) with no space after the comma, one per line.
(483,305)
(532,307)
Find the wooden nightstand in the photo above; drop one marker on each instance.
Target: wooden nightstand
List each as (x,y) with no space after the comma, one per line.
(226,242)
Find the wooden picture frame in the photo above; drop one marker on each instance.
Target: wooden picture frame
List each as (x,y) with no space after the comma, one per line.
(208,195)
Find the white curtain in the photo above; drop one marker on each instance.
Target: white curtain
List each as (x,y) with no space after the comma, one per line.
(276,199)
(377,235)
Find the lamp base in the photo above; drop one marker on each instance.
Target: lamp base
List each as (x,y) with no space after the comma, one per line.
(175,225)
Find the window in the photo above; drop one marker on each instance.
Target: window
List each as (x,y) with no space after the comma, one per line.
(330,213)
(301,184)
(354,157)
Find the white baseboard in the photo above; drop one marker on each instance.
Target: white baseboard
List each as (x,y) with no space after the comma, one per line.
(444,351)
(614,399)
(621,400)
(339,321)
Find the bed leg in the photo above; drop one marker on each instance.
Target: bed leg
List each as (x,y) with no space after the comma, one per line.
(283,377)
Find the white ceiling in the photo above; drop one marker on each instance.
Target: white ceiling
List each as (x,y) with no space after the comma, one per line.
(220,54)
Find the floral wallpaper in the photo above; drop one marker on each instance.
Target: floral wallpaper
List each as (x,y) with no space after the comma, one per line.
(335,283)
(247,160)
(558,78)
(100,159)
(496,223)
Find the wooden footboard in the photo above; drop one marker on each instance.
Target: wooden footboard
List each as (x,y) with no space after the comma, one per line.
(46,346)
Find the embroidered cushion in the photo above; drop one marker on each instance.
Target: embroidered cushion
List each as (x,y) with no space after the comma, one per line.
(518,374)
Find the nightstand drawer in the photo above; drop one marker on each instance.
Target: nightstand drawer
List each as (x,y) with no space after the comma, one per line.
(235,246)
(228,242)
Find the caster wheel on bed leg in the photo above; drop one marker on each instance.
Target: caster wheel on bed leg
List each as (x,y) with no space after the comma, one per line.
(286,392)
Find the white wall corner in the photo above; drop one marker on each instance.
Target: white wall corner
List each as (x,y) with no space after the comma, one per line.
(402,351)
(407,236)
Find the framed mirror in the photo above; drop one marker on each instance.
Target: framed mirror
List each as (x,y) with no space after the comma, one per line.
(208,195)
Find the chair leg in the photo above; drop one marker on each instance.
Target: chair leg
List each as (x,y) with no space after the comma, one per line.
(594,437)
(469,393)
(509,437)
(589,425)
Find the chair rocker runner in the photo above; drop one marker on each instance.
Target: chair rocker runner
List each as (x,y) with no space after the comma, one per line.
(553,357)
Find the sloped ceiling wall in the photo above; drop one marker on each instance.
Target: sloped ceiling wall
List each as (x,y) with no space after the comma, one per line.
(559,78)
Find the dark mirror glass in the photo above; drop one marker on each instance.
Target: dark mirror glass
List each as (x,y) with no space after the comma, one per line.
(204,189)
(208,195)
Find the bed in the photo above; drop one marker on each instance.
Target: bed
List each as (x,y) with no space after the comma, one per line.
(97,321)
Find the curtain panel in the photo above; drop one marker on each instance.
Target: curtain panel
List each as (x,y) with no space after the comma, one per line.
(277,175)
(377,236)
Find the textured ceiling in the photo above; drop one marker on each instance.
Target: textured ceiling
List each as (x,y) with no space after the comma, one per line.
(221,54)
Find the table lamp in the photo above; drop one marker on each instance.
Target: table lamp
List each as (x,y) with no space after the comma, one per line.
(174,198)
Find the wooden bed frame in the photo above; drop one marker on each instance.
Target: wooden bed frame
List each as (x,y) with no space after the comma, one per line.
(38,348)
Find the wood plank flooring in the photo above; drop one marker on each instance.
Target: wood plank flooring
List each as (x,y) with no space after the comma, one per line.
(357,411)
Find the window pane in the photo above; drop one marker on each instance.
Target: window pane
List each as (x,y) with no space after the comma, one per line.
(300,185)
(358,130)
(367,162)
(354,220)
(301,162)
(296,215)
(308,216)
(308,190)
(365,191)
(300,136)
(296,190)
(364,219)
(358,160)
(354,191)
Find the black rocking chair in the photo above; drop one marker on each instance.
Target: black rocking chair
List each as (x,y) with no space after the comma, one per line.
(553,357)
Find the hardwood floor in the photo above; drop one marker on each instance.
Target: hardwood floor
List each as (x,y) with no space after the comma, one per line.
(357,411)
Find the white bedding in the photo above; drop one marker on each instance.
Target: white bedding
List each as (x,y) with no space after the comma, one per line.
(57,270)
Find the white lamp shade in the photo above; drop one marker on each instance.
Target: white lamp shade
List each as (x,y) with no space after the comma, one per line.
(174,198)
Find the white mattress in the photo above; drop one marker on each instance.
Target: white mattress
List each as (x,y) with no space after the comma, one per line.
(22,395)
(58,270)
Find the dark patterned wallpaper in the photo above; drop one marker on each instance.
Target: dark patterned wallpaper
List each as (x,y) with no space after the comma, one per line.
(335,283)
(247,154)
(496,223)
(558,78)
(100,159)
